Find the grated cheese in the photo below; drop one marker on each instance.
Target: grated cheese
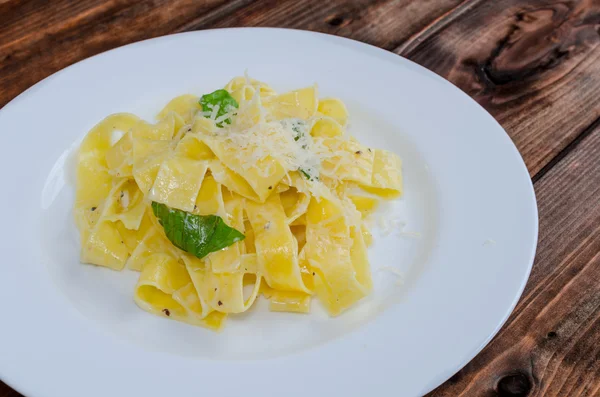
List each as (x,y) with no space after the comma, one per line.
(388,225)
(214,112)
(261,142)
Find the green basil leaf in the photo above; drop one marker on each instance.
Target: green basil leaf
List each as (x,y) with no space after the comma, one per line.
(223,236)
(223,100)
(197,234)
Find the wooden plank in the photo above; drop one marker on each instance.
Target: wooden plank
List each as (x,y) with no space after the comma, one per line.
(534,65)
(384,23)
(549,347)
(33,49)
(30,20)
(38,39)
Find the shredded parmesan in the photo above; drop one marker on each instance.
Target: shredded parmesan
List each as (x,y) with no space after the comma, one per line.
(224,117)
(257,139)
(261,142)
(288,142)
(388,224)
(392,225)
(214,112)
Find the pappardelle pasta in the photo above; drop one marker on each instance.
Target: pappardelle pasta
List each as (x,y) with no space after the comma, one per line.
(238,193)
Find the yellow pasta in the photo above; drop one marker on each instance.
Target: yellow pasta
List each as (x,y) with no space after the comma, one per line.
(186,106)
(232,195)
(275,245)
(334,108)
(326,127)
(386,179)
(119,158)
(178,182)
(266,172)
(300,104)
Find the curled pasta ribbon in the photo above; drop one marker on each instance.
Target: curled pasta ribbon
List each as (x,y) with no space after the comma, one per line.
(305,234)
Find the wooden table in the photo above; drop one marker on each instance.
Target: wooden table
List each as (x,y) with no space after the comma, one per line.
(533,64)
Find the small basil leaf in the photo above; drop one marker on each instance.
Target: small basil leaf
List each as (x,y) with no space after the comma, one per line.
(221,98)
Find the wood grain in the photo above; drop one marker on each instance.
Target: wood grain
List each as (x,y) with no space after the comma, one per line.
(383,23)
(534,65)
(41,39)
(550,345)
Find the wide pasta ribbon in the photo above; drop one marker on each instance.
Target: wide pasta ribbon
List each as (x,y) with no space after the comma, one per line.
(305,233)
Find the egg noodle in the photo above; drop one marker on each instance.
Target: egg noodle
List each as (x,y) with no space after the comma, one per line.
(238,193)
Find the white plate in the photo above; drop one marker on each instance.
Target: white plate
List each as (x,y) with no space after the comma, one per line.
(73,330)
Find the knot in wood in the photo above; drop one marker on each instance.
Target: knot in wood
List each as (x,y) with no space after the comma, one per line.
(538,40)
(514,385)
(336,21)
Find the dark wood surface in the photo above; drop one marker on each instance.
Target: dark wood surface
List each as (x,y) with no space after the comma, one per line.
(533,64)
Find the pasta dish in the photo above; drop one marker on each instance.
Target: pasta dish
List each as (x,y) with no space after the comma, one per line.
(238,193)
